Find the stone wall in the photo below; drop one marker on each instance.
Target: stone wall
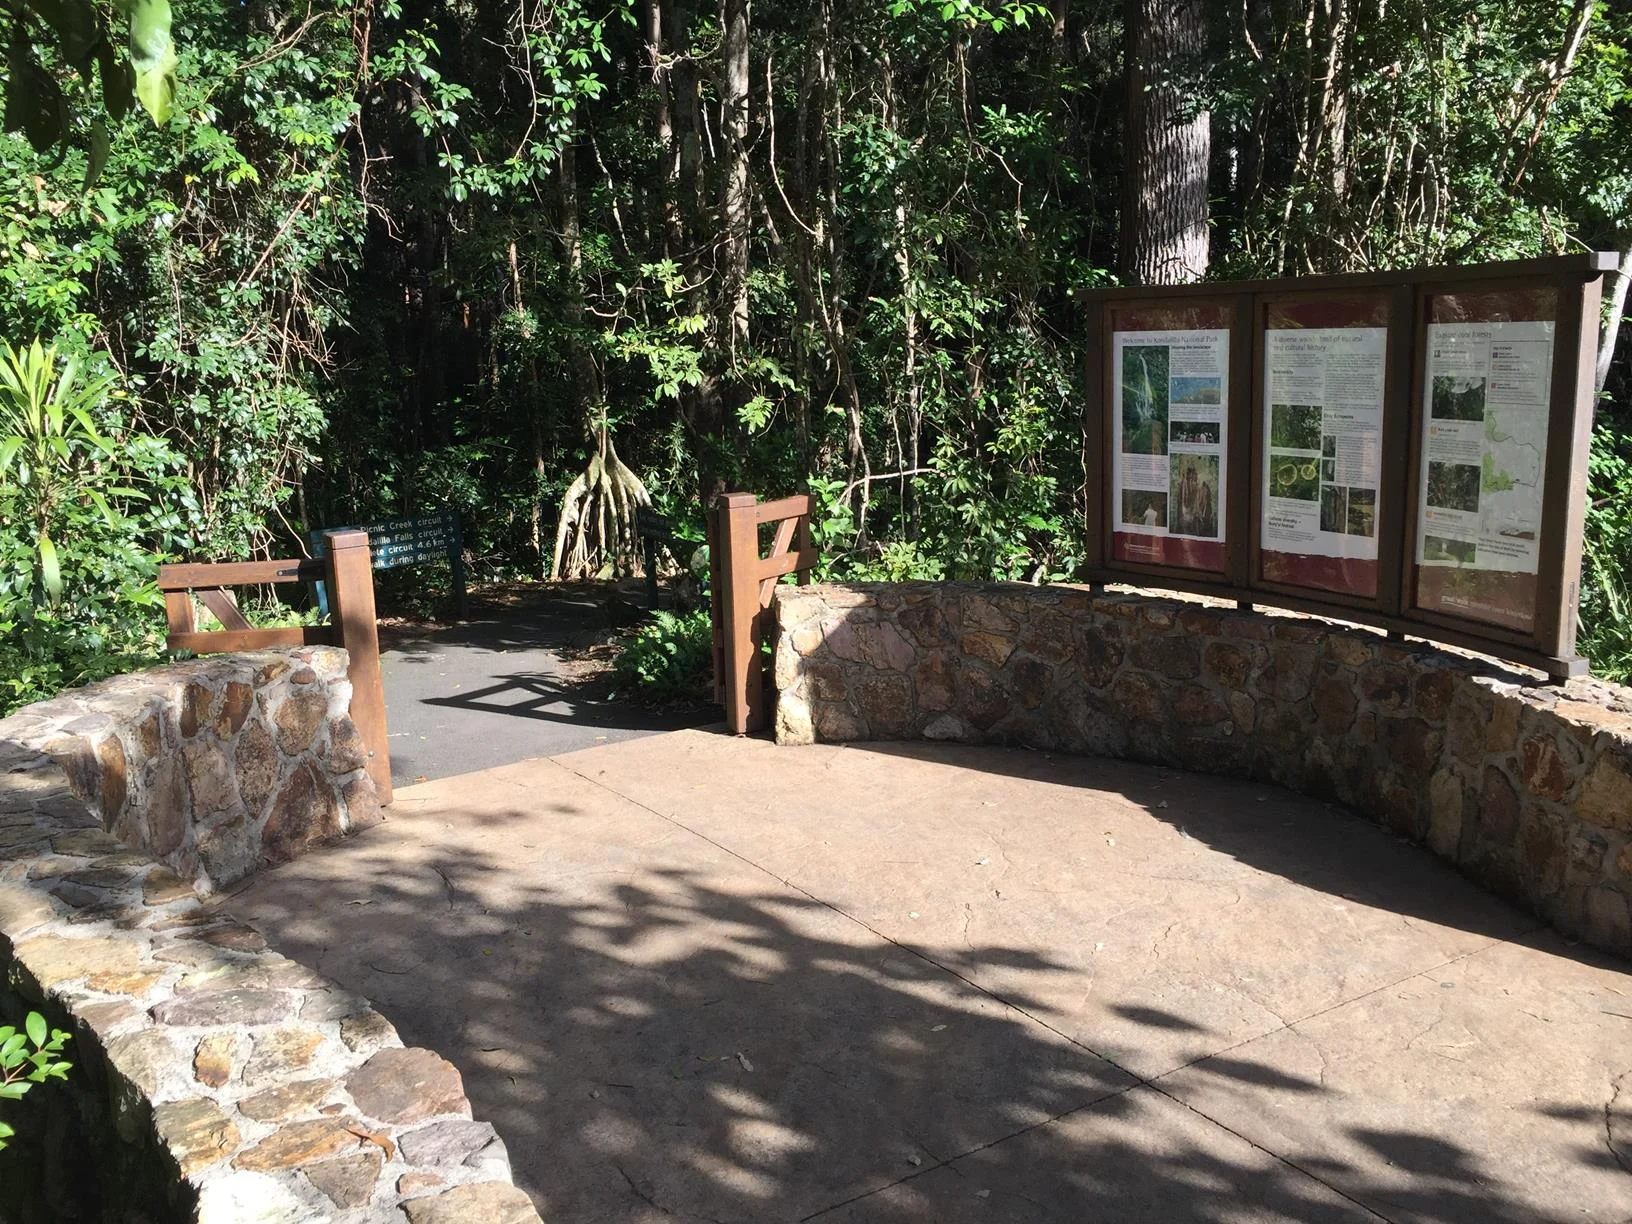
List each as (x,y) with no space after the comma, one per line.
(214,1080)
(1525,787)
(215,766)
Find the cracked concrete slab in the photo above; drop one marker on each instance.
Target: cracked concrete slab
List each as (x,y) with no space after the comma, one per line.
(694,978)
(1482,1091)
(1138,1158)
(1183,914)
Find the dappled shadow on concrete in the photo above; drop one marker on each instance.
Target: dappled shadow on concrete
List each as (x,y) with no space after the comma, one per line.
(1313,843)
(662,1031)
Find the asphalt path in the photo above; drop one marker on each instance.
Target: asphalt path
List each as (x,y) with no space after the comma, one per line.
(510,684)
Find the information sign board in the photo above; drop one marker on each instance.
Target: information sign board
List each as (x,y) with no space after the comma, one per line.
(1487,398)
(1324,376)
(399,542)
(1170,431)
(1406,449)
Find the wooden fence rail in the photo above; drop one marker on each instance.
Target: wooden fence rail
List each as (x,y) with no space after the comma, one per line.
(742,581)
(353,625)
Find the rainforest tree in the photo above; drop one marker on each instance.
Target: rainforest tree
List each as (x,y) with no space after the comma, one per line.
(541,260)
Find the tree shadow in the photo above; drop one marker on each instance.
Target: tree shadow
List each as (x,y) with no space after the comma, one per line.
(663,1037)
(514,681)
(552,698)
(1338,852)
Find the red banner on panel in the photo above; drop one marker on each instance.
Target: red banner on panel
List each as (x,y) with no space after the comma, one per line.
(1168,550)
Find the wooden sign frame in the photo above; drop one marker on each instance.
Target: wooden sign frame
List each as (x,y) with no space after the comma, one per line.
(1549,643)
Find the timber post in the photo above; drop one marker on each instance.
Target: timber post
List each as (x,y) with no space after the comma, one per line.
(743,582)
(356,626)
(348,570)
(744,680)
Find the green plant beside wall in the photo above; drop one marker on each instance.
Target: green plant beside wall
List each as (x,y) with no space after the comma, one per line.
(86,507)
(28,1058)
(668,659)
(1606,579)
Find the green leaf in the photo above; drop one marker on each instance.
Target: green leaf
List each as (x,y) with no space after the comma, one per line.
(117,85)
(16,1091)
(96,158)
(153,58)
(34,103)
(50,569)
(36,1026)
(76,27)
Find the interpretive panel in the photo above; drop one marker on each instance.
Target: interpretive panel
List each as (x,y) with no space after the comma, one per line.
(1170,372)
(1405,449)
(1486,406)
(1324,365)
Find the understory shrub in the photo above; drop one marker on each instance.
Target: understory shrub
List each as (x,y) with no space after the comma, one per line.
(87,509)
(27,1058)
(667,659)
(1606,569)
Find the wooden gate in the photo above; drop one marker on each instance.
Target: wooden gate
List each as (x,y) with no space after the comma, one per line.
(742,581)
(353,626)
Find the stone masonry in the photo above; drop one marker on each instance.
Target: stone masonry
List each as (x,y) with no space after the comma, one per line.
(214,1080)
(214,766)
(1525,787)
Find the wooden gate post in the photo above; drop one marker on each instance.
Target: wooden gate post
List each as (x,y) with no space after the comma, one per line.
(737,541)
(743,584)
(351,598)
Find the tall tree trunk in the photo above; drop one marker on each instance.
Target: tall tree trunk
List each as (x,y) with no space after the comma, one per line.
(651,21)
(699,405)
(907,454)
(1334,127)
(734,194)
(586,382)
(1164,237)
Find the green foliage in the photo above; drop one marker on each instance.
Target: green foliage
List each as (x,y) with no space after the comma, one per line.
(84,506)
(667,659)
(51,39)
(391,258)
(28,1058)
(1606,580)
(1466,131)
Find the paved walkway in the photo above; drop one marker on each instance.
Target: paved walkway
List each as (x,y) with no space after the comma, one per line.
(693,978)
(507,685)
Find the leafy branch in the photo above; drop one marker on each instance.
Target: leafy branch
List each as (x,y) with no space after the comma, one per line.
(21,1067)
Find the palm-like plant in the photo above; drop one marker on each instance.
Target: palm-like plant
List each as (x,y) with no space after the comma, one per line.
(50,448)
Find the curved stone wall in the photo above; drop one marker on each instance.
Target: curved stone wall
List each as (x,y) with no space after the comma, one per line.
(214,1080)
(1525,787)
(215,766)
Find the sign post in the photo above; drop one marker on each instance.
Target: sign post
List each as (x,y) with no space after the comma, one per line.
(397,543)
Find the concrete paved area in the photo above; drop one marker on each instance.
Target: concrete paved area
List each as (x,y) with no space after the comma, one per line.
(694,978)
(506,685)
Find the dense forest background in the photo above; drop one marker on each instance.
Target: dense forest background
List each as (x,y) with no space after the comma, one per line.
(389,256)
